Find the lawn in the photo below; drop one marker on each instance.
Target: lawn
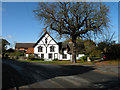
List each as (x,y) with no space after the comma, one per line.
(107,62)
(59,62)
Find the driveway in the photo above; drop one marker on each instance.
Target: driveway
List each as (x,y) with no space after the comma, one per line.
(19,75)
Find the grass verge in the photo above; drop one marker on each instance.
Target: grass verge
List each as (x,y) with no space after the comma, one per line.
(110,62)
(59,62)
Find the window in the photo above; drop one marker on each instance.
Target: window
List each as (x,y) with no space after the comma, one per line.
(50,55)
(46,40)
(40,49)
(52,49)
(42,56)
(64,56)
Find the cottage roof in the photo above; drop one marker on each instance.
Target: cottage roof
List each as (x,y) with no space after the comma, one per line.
(68,46)
(24,45)
(30,51)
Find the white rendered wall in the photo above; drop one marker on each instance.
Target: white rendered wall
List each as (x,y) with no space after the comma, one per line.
(69,57)
(50,42)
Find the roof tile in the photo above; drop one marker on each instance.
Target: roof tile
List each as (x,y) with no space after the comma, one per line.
(24,45)
(30,51)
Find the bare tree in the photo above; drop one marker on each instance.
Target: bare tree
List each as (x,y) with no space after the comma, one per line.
(108,38)
(74,19)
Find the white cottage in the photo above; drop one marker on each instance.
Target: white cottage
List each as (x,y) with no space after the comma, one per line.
(48,49)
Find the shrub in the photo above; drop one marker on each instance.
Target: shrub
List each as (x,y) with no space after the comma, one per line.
(56,59)
(37,58)
(31,57)
(95,53)
(83,58)
(95,58)
(41,59)
(17,53)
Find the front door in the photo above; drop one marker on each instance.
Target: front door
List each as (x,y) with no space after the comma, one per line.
(55,56)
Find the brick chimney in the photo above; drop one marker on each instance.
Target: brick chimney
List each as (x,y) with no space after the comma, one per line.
(45,29)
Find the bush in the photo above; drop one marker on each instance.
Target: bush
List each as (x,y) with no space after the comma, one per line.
(95,53)
(37,58)
(95,58)
(16,53)
(31,57)
(83,58)
(41,59)
(56,59)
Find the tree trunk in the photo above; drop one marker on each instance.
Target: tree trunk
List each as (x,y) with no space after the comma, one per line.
(74,50)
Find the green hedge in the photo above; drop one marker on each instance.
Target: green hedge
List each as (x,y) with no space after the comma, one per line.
(56,59)
(83,58)
(95,58)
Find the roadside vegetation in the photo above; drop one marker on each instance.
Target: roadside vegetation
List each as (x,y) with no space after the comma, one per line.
(60,62)
(103,53)
(67,21)
(57,62)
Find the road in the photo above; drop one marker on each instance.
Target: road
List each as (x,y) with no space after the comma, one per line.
(18,75)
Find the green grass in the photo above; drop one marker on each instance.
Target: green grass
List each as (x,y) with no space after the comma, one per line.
(68,62)
(59,62)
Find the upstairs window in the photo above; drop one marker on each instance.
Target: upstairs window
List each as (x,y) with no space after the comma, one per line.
(52,49)
(45,40)
(40,49)
(64,56)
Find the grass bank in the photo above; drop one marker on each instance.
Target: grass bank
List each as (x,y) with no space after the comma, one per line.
(107,62)
(59,62)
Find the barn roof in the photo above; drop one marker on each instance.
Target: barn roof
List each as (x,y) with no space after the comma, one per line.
(30,51)
(24,45)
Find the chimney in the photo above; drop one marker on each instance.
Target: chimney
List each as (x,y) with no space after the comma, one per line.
(45,29)
(70,40)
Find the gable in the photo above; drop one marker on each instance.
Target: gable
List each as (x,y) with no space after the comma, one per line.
(46,37)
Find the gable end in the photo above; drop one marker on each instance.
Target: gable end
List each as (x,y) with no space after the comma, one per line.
(42,37)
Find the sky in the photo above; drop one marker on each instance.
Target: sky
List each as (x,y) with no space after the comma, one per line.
(20,25)
(119,22)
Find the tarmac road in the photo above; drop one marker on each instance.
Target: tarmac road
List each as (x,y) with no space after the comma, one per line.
(18,75)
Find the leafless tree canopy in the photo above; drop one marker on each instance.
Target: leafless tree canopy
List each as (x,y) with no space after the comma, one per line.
(74,18)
